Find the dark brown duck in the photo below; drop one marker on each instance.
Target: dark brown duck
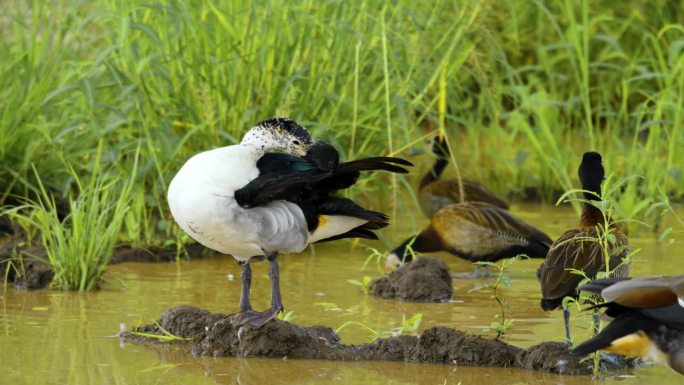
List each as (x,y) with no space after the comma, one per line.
(475,231)
(433,193)
(576,248)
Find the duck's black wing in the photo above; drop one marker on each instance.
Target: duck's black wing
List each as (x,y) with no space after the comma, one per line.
(313,177)
(311,182)
(281,177)
(287,177)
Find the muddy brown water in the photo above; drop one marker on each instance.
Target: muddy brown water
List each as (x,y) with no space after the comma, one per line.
(63,338)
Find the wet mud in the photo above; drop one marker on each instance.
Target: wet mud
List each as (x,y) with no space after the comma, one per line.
(211,334)
(424,279)
(19,262)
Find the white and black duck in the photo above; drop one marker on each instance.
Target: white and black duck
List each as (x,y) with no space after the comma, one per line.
(246,202)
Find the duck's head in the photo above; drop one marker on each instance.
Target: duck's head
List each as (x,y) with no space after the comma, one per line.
(405,253)
(392,262)
(279,134)
(323,155)
(591,173)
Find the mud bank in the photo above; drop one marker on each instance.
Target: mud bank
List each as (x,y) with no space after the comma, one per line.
(219,335)
(126,253)
(21,262)
(424,280)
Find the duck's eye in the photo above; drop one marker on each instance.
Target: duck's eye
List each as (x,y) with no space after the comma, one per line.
(295,142)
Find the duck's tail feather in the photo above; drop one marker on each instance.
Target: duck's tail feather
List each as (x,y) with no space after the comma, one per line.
(618,328)
(597,285)
(376,163)
(342,218)
(358,232)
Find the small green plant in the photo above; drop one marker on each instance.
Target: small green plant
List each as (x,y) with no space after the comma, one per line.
(165,335)
(375,256)
(501,324)
(375,333)
(364,283)
(287,317)
(408,326)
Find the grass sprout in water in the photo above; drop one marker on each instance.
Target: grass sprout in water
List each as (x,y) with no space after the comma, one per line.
(364,283)
(165,335)
(408,326)
(502,324)
(78,248)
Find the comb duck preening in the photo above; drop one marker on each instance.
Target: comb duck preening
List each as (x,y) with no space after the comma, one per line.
(433,193)
(578,248)
(648,319)
(475,231)
(241,200)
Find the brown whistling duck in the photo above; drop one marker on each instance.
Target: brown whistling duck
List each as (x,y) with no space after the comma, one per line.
(433,194)
(475,231)
(648,319)
(576,248)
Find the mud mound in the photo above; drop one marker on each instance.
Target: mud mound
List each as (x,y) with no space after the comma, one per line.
(180,321)
(550,357)
(446,345)
(36,275)
(276,339)
(425,280)
(219,335)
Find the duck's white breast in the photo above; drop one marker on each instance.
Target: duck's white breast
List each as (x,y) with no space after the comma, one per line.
(201,198)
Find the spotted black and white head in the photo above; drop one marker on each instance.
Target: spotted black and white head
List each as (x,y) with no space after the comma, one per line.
(279,134)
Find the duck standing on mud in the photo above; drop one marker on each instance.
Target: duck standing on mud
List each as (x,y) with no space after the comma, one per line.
(241,200)
(648,319)
(579,249)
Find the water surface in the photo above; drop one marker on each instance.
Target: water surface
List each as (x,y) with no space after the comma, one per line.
(62,338)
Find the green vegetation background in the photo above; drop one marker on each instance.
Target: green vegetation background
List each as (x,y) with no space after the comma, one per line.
(528,86)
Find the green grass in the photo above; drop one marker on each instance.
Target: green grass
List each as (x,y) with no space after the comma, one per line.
(520,88)
(78,247)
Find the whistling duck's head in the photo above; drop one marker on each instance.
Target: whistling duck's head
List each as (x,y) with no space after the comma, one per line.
(440,147)
(591,172)
(279,134)
(392,262)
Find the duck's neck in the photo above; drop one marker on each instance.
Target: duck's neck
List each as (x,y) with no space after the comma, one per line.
(425,242)
(254,150)
(435,172)
(591,215)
